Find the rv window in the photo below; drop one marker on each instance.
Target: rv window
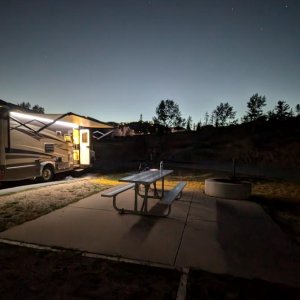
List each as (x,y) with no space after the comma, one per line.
(84,138)
(49,148)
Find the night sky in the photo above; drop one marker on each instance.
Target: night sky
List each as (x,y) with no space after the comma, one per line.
(116,59)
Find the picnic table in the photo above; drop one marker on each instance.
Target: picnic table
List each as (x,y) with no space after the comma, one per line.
(141,182)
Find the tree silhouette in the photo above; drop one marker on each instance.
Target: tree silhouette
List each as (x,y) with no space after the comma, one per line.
(36,108)
(25,105)
(206,119)
(189,123)
(168,114)
(281,111)
(255,108)
(222,114)
(298,109)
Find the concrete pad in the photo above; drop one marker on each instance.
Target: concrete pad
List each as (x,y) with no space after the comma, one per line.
(94,202)
(200,248)
(198,196)
(187,195)
(202,211)
(126,200)
(255,246)
(179,210)
(104,232)
(202,207)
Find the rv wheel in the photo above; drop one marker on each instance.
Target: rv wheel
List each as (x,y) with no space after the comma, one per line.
(47,174)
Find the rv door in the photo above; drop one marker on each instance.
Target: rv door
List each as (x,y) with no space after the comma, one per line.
(84,146)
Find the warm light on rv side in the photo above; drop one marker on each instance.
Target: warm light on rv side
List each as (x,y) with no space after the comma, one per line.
(76,155)
(76,137)
(41,119)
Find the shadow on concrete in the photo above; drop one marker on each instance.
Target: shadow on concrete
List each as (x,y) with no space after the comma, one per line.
(141,229)
(254,246)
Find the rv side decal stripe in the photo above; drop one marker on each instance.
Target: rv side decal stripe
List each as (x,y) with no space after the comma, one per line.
(18,167)
(36,136)
(20,151)
(29,156)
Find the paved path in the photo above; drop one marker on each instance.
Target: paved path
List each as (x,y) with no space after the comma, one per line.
(221,236)
(28,186)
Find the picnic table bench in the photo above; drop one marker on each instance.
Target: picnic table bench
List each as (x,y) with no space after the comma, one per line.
(115,191)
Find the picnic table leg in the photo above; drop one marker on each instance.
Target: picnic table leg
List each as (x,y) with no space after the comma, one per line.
(136,191)
(145,197)
(162,187)
(120,210)
(156,194)
(155,190)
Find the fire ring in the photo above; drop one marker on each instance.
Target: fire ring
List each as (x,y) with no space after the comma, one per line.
(228,188)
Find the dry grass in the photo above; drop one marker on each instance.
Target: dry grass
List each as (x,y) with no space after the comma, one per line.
(192,184)
(278,191)
(271,190)
(17,208)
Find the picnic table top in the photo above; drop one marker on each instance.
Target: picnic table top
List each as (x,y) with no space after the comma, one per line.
(147,177)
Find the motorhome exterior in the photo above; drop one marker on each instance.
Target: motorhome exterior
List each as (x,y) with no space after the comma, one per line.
(42,145)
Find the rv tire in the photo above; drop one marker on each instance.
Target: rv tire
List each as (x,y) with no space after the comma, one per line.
(47,174)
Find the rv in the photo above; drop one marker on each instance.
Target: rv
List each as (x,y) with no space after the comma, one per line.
(42,145)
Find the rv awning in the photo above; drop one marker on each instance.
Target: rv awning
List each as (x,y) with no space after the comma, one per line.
(57,119)
(77,119)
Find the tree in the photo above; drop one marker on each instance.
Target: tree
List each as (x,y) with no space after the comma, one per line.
(25,105)
(168,114)
(255,108)
(198,126)
(189,123)
(212,119)
(281,111)
(36,108)
(298,109)
(222,114)
(206,119)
